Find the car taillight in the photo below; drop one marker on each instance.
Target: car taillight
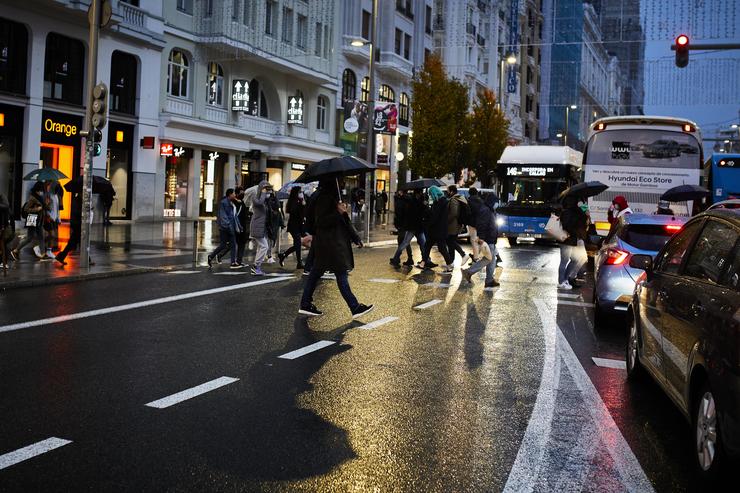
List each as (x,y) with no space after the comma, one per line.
(615,256)
(673,228)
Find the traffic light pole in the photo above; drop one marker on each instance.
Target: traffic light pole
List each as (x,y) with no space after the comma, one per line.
(92,74)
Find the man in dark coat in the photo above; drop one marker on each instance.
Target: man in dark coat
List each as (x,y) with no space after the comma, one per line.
(573,249)
(333,235)
(487,235)
(75,230)
(437,229)
(413,227)
(399,222)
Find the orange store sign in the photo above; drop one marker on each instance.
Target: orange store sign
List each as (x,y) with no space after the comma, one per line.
(66,129)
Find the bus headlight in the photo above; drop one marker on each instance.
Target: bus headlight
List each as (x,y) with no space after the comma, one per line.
(500,221)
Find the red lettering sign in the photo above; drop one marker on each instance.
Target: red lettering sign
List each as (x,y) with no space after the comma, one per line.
(165,149)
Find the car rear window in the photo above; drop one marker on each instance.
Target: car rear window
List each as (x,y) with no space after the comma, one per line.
(650,237)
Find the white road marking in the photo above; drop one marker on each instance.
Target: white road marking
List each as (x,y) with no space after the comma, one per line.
(330,277)
(576,303)
(378,323)
(569,295)
(139,304)
(428,304)
(610,363)
(186,394)
(31,451)
(242,273)
(441,285)
(307,349)
(183,272)
(278,274)
(384,281)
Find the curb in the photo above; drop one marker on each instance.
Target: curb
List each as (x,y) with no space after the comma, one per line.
(77,278)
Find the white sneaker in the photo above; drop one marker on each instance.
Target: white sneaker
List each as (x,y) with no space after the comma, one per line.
(270,260)
(565,285)
(50,254)
(37,252)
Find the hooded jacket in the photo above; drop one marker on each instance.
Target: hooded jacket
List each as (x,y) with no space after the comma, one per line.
(484,219)
(437,225)
(258,226)
(453,214)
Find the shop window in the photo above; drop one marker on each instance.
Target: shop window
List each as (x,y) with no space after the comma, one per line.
(365,89)
(403,109)
(64,68)
(177,74)
(215,84)
(321,104)
(349,86)
(13,56)
(386,94)
(123,71)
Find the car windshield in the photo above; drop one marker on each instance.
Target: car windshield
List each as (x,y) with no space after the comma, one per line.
(650,237)
(529,190)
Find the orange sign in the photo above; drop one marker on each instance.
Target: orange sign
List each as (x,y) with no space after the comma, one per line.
(165,149)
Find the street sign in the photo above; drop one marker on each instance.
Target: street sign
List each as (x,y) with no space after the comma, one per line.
(239,95)
(295,110)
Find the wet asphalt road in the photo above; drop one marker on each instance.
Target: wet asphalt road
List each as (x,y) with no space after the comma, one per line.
(482,391)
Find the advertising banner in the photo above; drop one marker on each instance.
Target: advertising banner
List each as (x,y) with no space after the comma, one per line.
(385,119)
(239,95)
(354,124)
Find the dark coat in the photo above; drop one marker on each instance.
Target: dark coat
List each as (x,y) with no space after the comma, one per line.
(242,219)
(415,213)
(333,233)
(484,219)
(437,225)
(296,216)
(399,218)
(575,223)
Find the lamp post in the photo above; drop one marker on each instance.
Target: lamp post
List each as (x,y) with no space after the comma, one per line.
(510,60)
(567,122)
(370,177)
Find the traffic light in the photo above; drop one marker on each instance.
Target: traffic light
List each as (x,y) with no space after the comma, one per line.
(682,51)
(99,106)
(97,139)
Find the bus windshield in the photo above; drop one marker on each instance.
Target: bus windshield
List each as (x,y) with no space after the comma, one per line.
(531,190)
(644,147)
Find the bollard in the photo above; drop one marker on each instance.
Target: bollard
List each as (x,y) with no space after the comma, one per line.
(195,243)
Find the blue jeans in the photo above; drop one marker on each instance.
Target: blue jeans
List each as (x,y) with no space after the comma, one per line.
(342,284)
(420,239)
(490,265)
(572,259)
(227,239)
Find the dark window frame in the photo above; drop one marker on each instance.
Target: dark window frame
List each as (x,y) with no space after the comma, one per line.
(69,77)
(124,73)
(349,86)
(13,56)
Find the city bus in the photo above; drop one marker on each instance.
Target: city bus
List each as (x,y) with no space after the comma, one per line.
(530,178)
(722,175)
(640,157)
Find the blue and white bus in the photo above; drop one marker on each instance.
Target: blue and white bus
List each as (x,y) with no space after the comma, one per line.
(722,175)
(530,179)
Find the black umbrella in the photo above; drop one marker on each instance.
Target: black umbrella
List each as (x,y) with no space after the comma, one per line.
(683,193)
(584,190)
(100,185)
(334,168)
(423,183)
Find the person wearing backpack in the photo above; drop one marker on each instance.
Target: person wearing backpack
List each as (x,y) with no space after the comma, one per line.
(458,215)
(33,212)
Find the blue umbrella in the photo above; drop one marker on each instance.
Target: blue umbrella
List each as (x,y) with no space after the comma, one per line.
(45,174)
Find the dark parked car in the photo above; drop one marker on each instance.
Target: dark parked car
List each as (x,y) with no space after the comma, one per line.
(685,330)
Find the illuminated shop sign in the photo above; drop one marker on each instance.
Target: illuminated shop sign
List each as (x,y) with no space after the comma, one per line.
(239,95)
(538,171)
(165,149)
(66,129)
(295,110)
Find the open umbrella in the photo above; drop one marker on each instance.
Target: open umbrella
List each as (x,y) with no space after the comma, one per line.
(334,168)
(584,190)
(99,185)
(683,193)
(307,188)
(45,174)
(422,183)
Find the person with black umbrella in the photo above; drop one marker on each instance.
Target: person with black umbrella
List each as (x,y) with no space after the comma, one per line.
(573,249)
(75,230)
(333,235)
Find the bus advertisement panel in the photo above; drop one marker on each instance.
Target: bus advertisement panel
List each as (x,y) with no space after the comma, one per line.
(640,158)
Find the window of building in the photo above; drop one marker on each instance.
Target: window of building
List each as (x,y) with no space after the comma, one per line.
(349,86)
(185,6)
(271,16)
(287,25)
(135,3)
(386,94)
(64,68)
(365,89)
(398,42)
(246,15)
(321,104)
(301,32)
(407,47)
(529,75)
(235,8)
(13,56)
(428,20)
(123,70)
(318,41)
(177,74)
(528,103)
(215,84)
(328,43)
(209,8)
(427,54)
(257,100)
(403,109)
(367,20)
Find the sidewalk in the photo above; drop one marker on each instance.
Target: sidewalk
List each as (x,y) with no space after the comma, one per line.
(127,248)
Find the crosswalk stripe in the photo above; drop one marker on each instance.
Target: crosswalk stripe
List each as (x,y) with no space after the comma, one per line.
(575,303)
(441,285)
(306,350)
(378,323)
(569,295)
(384,281)
(610,363)
(230,273)
(428,304)
(186,394)
(31,451)
(184,272)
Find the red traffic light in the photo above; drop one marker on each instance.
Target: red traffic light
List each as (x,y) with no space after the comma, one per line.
(682,50)
(682,40)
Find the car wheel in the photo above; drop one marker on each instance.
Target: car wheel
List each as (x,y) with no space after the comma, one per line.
(632,359)
(707,436)
(512,241)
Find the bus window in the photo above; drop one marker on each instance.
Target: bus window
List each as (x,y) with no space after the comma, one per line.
(644,147)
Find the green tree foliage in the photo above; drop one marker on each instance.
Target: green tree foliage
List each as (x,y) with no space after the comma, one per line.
(439,105)
(488,133)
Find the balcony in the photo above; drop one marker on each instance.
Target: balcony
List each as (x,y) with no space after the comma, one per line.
(262,126)
(216,114)
(357,53)
(131,15)
(179,106)
(395,64)
(470,28)
(299,131)
(323,137)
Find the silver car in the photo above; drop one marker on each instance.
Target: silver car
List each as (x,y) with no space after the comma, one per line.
(614,279)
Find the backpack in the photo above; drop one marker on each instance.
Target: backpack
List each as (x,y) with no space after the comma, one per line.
(464,214)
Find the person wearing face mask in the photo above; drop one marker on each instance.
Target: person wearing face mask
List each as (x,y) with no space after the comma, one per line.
(619,208)
(296,208)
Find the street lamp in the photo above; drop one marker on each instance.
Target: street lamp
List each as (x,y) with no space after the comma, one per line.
(510,60)
(559,135)
(567,121)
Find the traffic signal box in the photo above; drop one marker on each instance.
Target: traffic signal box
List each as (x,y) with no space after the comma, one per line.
(682,51)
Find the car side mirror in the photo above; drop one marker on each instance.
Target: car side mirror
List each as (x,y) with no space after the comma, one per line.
(644,262)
